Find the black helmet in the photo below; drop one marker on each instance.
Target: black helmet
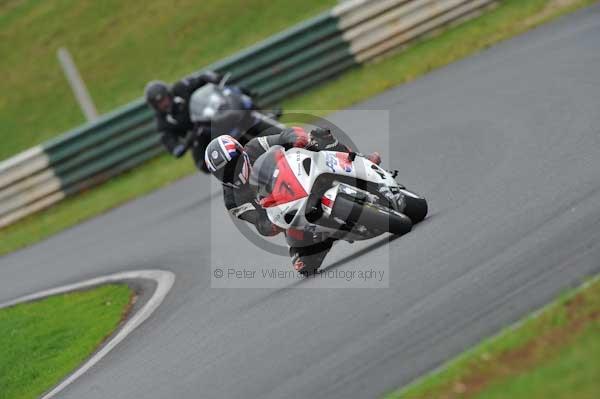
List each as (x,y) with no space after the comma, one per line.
(156,91)
(226,159)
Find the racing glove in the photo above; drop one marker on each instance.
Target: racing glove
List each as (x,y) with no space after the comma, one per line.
(179,150)
(294,137)
(322,139)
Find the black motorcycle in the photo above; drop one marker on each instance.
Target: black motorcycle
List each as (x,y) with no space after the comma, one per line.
(221,109)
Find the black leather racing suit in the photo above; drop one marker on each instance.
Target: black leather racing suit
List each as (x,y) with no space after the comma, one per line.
(242,202)
(175,124)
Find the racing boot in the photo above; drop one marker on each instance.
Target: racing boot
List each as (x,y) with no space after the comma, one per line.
(303,268)
(307,259)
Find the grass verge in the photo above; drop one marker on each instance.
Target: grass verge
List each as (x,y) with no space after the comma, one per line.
(553,354)
(118,46)
(509,19)
(42,342)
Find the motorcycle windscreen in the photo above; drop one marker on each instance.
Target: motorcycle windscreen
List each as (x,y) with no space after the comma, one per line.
(205,103)
(274,179)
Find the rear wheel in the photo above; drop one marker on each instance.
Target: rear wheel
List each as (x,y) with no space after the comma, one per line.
(372,216)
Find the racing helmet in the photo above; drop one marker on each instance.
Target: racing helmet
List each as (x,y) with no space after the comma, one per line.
(158,95)
(226,159)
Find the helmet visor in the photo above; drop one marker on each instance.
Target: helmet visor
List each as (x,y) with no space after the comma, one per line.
(235,172)
(162,104)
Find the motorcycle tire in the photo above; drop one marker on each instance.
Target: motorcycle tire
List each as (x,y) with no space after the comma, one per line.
(415,207)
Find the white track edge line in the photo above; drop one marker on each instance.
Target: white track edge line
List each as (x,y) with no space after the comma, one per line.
(164,281)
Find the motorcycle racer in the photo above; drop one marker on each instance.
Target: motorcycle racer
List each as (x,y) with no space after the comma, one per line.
(231,163)
(170,104)
(174,122)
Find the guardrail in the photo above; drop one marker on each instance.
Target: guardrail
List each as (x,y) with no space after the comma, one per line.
(352,33)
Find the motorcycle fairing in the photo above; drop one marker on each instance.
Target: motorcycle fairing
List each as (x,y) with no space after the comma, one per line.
(286,187)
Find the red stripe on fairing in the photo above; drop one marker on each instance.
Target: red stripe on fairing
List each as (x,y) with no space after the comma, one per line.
(327,202)
(287,188)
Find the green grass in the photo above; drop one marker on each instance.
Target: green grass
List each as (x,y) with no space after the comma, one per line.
(509,19)
(118,46)
(42,342)
(575,373)
(555,354)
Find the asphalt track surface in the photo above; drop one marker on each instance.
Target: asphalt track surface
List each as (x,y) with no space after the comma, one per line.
(505,145)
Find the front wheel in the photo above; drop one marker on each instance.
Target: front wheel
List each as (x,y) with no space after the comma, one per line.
(415,207)
(374,217)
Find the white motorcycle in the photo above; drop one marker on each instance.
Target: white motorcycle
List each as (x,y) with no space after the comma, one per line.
(333,195)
